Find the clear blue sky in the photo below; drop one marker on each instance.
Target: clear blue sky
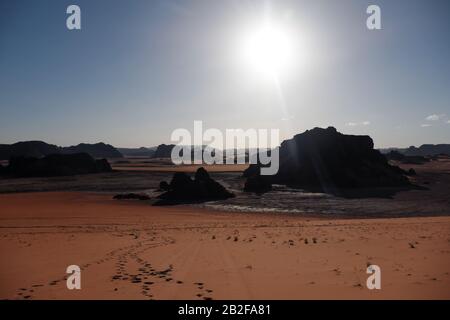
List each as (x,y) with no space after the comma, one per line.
(139,69)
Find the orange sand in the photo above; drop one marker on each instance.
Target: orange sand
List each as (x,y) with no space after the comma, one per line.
(188,253)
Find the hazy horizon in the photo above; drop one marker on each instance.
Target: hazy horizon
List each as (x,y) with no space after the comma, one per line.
(138,70)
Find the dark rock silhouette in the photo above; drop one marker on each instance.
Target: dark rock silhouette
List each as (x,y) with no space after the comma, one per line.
(428,150)
(97,150)
(55,165)
(35,149)
(183,189)
(257,183)
(397,156)
(164,151)
(425,150)
(325,160)
(131,196)
(137,152)
(39,149)
(164,186)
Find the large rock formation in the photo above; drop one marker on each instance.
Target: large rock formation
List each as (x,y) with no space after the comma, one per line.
(35,149)
(39,149)
(202,188)
(325,160)
(55,165)
(97,150)
(164,151)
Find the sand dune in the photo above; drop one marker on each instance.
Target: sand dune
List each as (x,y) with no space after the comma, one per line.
(130,250)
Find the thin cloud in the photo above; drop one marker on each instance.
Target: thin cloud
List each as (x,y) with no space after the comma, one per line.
(355,124)
(425,125)
(435,117)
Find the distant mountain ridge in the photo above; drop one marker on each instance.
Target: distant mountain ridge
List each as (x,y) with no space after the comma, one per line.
(423,150)
(138,152)
(39,149)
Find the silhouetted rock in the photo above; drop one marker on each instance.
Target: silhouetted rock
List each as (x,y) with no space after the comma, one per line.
(164,186)
(325,160)
(411,172)
(425,150)
(103,165)
(395,155)
(56,165)
(35,149)
(428,150)
(164,151)
(97,150)
(137,152)
(257,183)
(202,188)
(39,149)
(131,196)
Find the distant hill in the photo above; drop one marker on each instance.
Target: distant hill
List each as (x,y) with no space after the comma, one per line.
(424,150)
(55,165)
(137,152)
(39,149)
(98,150)
(428,150)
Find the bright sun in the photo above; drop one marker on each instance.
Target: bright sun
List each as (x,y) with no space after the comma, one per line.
(268,49)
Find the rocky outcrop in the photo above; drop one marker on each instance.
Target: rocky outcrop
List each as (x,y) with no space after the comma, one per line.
(35,149)
(325,160)
(55,165)
(257,183)
(97,150)
(183,188)
(39,149)
(164,151)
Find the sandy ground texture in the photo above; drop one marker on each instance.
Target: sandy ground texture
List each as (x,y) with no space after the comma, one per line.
(131,250)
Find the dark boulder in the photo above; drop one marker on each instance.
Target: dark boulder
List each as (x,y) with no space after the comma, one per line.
(258,184)
(56,165)
(164,151)
(325,160)
(183,188)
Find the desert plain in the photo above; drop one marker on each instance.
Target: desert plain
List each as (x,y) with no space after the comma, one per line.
(238,249)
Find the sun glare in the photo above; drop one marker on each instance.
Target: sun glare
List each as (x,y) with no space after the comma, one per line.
(268,49)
